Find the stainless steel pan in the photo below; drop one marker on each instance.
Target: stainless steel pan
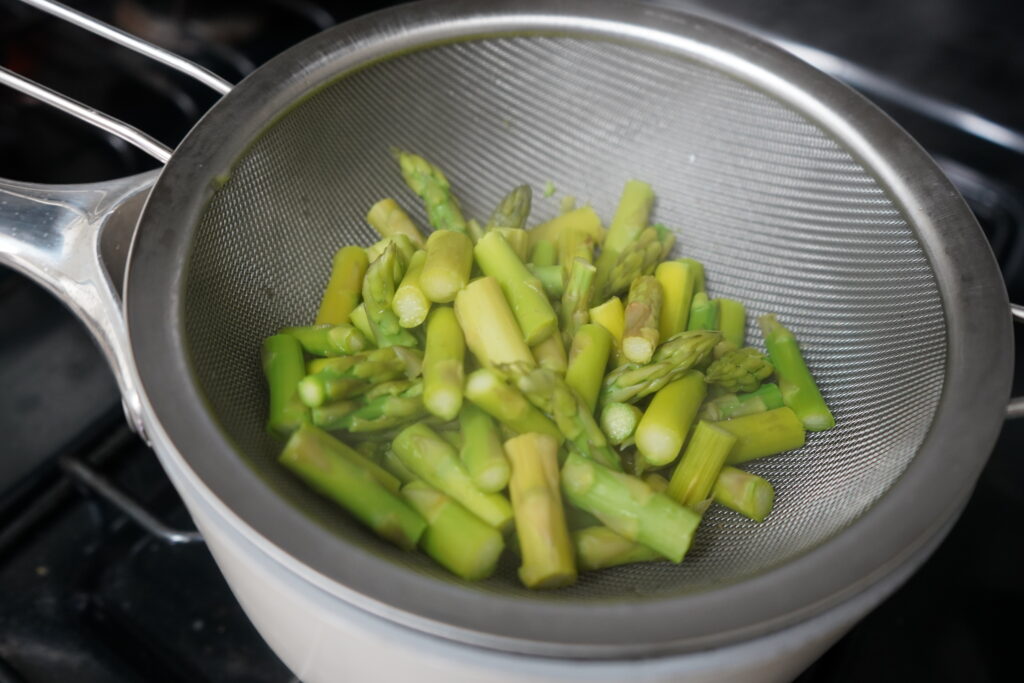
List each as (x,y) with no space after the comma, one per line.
(799,195)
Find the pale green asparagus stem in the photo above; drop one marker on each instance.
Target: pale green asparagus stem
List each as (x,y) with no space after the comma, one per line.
(698,469)
(576,299)
(703,313)
(643,309)
(550,279)
(547,551)
(588,358)
(432,459)
(335,474)
(544,253)
(359,321)
(522,290)
(667,420)
(598,547)
(550,354)
(344,286)
(410,304)
(764,434)
(732,321)
(747,494)
(629,507)
(619,421)
(767,397)
(492,333)
(487,390)
(284,368)
(677,280)
(388,219)
(482,452)
(447,266)
(799,390)
(455,538)
(513,210)
(432,186)
(443,362)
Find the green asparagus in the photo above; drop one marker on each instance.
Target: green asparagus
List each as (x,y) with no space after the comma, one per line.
(587,360)
(677,280)
(698,468)
(388,218)
(481,450)
(598,547)
(619,422)
(763,434)
(703,313)
(799,391)
(489,325)
(283,369)
(544,544)
(766,397)
(551,279)
(455,538)
(432,186)
(379,285)
(544,253)
(344,286)
(550,354)
(513,210)
(332,471)
(630,382)
(576,298)
(667,420)
(410,304)
(639,258)
(328,340)
(434,461)
(747,494)
(447,266)
(629,507)
(732,321)
(488,391)
(443,362)
(740,370)
(643,309)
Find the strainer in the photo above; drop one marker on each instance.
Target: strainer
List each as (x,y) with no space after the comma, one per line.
(799,196)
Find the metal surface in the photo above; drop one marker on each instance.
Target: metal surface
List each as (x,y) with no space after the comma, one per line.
(116,35)
(799,196)
(129,134)
(58,235)
(99,484)
(853,236)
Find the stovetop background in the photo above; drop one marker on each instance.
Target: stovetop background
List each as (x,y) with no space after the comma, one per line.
(86,596)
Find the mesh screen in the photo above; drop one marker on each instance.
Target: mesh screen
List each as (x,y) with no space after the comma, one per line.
(782,216)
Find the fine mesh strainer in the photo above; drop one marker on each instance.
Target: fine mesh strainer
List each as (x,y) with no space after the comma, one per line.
(799,196)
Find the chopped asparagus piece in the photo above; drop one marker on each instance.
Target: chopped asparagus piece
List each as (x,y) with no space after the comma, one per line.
(487,390)
(284,368)
(698,274)
(359,321)
(550,354)
(481,450)
(619,421)
(639,258)
(410,304)
(432,186)
(333,472)
(513,210)
(732,321)
(387,410)
(666,422)
(598,547)
(629,507)
(434,461)
(388,219)
(740,370)
(448,264)
(764,434)
(629,221)
(747,494)
(587,360)
(443,363)
(492,333)
(518,239)
(344,286)
(643,309)
(522,290)
(333,416)
(703,313)
(544,253)
(658,483)
(695,475)
(572,245)
(328,340)
(584,219)
(576,299)
(548,560)
(455,538)
(799,392)
(550,279)
(379,285)
(631,382)
(677,281)
(766,397)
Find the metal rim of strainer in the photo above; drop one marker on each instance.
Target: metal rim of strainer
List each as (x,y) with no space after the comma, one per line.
(921,502)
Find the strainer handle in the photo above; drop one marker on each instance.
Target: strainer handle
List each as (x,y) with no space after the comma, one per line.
(1015,409)
(69,239)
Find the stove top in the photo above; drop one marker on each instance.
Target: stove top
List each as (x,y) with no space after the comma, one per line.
(102,577)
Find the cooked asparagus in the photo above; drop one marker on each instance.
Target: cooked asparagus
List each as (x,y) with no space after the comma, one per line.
(799,390)
(630,382)
(284,369)
(430,183)
(666,422)
(443,362)
(344,286)
(747,494)
(388,218)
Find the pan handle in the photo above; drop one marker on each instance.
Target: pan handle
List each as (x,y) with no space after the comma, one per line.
(1015,408)
(70,239)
